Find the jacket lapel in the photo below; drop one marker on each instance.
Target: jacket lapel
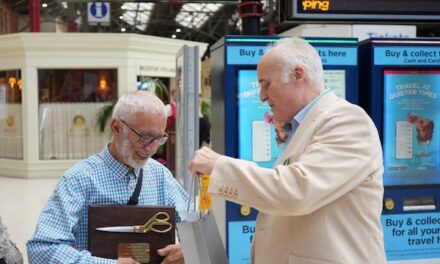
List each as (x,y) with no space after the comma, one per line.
(298,142)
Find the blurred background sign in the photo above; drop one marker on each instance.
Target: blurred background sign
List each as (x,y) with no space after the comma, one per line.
(362,10)
(98,13)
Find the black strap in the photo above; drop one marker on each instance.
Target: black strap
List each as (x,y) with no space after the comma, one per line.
(134,197)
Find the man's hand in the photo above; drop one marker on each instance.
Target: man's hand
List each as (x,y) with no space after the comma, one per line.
(203,161)
(127,261)
(173,254)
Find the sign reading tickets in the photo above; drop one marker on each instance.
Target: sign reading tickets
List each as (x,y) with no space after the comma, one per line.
(415,236)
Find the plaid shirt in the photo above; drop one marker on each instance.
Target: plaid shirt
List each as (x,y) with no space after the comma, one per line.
(61,233)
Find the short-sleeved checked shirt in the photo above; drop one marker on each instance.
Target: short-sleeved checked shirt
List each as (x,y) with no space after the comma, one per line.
(61,233)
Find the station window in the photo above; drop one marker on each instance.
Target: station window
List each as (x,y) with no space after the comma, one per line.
(69,103)
(11,135)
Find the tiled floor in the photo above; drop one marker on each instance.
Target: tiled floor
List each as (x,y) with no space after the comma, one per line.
(20,204)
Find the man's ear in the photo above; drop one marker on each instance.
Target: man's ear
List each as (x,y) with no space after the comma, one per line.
(299,73)
(116,128)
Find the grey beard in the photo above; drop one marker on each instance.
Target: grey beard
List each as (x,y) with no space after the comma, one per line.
(126,149)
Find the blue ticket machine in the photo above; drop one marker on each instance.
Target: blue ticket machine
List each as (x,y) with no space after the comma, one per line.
(400,88)
(241,123)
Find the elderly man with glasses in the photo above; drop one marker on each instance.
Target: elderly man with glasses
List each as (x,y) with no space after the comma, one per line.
(109,177)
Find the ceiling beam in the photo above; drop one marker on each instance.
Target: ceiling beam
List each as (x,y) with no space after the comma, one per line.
(160,13)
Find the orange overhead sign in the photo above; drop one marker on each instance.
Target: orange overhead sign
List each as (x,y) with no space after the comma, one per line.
(405,11)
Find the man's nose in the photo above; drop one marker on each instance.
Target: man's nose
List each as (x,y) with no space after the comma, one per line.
(263,95)
(153,146)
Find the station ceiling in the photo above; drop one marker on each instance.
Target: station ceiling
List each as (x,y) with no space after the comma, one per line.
(198,20)
(205,21)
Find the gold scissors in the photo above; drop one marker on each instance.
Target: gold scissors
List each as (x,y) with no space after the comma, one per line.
(159,219)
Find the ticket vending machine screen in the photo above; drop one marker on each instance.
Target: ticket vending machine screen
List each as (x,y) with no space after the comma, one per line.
(411,143)
(257,137)
(411,127)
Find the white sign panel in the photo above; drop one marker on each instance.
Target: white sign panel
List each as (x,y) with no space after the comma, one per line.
(383,31)
(98,12)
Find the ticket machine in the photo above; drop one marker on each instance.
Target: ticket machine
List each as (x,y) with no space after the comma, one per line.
(400,88)
(241,125)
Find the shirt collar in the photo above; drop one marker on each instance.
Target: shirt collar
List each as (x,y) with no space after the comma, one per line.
(119,168)
(291,127)
(299,117)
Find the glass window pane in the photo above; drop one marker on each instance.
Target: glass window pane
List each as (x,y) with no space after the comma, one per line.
(195,15)
(69,101)
(11,136)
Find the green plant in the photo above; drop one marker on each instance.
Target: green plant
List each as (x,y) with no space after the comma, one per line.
(155,85)
(104,116)
(205,108)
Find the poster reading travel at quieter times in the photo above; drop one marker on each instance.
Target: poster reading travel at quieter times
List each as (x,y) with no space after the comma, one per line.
(411,127)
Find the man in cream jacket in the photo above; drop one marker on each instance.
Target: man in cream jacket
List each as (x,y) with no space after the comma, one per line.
(322,201)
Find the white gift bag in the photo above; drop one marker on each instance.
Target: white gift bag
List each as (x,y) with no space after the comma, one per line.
(201,241)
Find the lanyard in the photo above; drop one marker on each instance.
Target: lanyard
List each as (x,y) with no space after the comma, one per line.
(134,197)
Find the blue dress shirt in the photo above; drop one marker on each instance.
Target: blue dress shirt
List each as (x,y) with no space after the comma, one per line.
(299,117)
(61,233)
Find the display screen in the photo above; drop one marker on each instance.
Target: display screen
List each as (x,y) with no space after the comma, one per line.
(411,138)
(256,131)
(382,10)
(335,81)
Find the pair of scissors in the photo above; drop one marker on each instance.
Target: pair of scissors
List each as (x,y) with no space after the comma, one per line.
(159,219)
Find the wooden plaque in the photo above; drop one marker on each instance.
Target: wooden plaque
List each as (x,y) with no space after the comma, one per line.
(105,244)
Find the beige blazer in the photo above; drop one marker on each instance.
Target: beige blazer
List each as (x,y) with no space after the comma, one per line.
(322,201)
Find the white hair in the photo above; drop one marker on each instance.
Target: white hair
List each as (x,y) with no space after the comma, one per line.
(292,52)
(136,102)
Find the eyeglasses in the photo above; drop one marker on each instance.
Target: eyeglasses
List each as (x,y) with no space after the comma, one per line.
(146,139)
